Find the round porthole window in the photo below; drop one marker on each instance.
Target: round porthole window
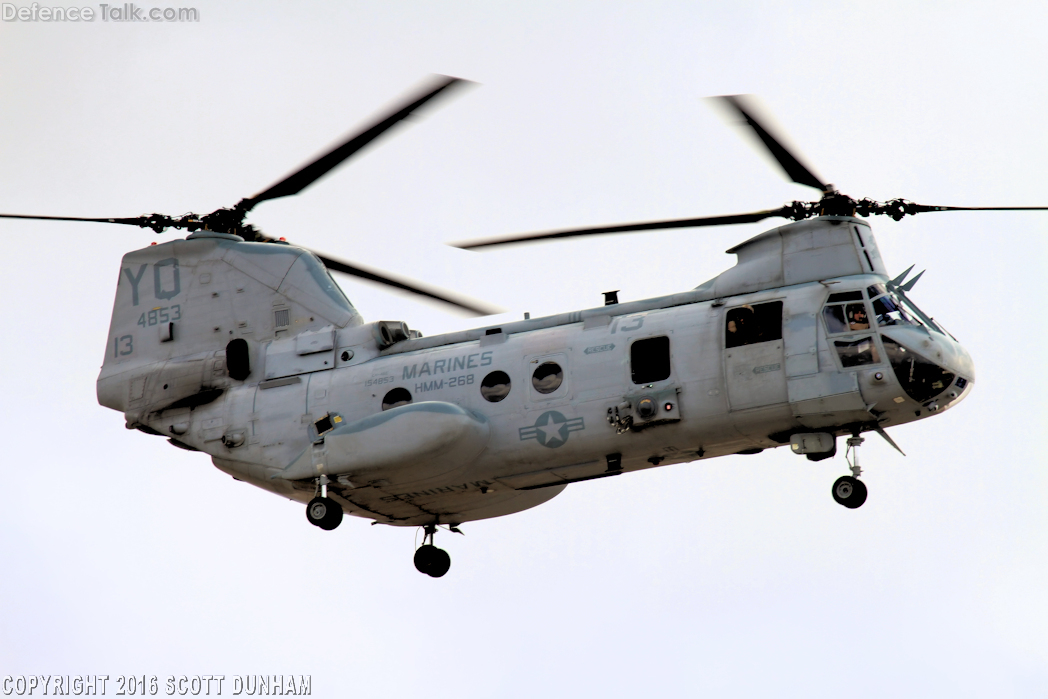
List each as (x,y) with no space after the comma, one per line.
(548,377)
(396,398)
(495,386)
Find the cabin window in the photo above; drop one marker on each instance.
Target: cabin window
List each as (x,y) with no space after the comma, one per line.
(495,386)
(396,398)
(857,352)
(749,325)
(650,360)
(547,378)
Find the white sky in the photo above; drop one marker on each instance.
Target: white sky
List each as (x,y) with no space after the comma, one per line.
(737,577)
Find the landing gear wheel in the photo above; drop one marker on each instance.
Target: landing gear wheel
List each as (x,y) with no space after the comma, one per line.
(849,491)
(441,564)
(324,513)
(432,561)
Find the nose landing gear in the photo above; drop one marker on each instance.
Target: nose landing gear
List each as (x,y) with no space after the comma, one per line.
(849,490)
(322,511)
(429,559)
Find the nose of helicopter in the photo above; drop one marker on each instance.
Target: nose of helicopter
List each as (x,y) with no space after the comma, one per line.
(934,368)
(956,360)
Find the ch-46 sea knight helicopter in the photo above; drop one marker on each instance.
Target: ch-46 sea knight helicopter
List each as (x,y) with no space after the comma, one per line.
(233,344)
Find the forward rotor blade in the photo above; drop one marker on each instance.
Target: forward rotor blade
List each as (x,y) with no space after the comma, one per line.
(921,208)
(474,307)
(310,173)
(625,228)
(137,221)
(789,162)
(900,208)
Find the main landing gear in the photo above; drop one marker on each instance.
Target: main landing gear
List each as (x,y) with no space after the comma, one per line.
(322,511)
(429,559)
(849,490)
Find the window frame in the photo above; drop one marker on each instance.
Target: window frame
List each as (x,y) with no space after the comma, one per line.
(848,335)
(844,304)
(752,306)
(560,383)
(669,359)
(390,406)
(493,398)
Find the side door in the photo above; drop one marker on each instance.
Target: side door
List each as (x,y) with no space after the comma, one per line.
(753,355)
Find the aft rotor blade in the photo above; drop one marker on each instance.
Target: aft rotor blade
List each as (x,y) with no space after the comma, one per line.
(310,173)
(789,162)
(474,307)
(625,228)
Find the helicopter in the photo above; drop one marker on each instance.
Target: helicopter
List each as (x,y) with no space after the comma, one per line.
(243,347)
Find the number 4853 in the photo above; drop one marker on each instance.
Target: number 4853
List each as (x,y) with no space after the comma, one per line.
(165,314)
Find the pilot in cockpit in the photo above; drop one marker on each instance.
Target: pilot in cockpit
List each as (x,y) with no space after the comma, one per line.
(857,319)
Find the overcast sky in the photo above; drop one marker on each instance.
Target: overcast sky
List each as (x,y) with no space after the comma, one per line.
(735,577)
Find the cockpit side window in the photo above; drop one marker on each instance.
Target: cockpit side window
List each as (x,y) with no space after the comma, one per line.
(845,312)
(843,317)
(857,352)
(749,325)
(834,317)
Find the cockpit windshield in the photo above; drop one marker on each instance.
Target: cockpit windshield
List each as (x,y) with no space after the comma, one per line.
(892,309)
(889,312)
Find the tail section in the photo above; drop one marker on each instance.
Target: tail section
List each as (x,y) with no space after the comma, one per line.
(190,316)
